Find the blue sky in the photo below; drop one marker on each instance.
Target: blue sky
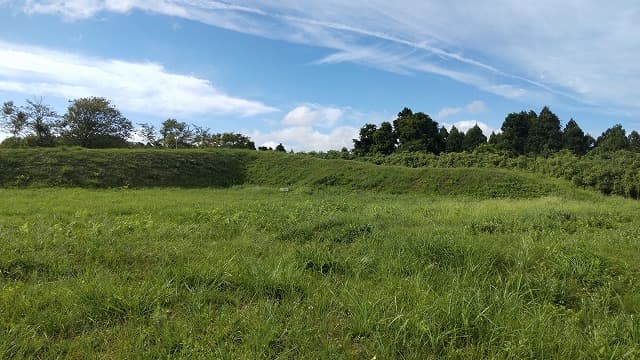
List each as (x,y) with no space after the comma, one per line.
(310,74)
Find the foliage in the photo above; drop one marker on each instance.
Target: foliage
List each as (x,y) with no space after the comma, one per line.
(364,144)
(544,136)
(95,123)
(384,140)
(417,132)
(176,134)
(14,120)
(574,139)
(148,134)
(473,138)
(613,139)
(251,273)
(454,140)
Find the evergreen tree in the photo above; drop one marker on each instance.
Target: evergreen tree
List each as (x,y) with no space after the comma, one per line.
(634,141)
(544,134)
(454,141)
(496,139)
(574,139)
(280,148)
(515,130)
(613,139)
(473,138)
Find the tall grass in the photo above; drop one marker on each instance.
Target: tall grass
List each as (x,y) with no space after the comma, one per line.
(249,272)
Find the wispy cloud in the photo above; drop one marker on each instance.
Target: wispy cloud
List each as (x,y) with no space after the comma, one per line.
(145,88)
(474,107)
(572,50)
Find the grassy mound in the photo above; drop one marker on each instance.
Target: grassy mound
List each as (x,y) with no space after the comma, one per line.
(224,168)
(294,170)
(123,167)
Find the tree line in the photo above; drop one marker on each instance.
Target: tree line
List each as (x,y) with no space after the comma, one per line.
(523,133)
(94,122)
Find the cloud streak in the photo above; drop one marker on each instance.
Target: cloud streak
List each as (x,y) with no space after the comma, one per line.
(575,50)
(145,88)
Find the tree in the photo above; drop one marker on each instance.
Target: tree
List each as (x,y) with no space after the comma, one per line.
(454,141)
(362,146)
(417,132)
(176,134)
(473,138)
(634,141)
(574,139)
(148,134)
(384,140)
(515,130)
(14,120)
(613,139)
(544,134)
(280,148)
(496,139)
(232,141)
(42,120)
(95,123)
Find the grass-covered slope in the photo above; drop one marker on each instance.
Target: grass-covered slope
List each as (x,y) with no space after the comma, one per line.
(78,167)
(292,170)
(224,168)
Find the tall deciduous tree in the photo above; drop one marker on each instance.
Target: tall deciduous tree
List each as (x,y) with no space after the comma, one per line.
(176,134)
(14,120)
(384,140)
(363,145)
(95,123)
(148,134)
(42,120)
(417,132)
(232,141)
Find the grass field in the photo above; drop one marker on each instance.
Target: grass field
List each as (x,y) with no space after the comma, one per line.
(320,272)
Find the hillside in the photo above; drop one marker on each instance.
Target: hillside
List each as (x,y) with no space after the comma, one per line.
(225,168)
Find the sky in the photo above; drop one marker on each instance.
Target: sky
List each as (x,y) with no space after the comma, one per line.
(309,74)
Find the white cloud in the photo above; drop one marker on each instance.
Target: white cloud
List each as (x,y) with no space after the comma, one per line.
(576,49)
(448,111)
(313,127)
(465,125)
(145,88)
(313,115)
(474,107)
(307,138)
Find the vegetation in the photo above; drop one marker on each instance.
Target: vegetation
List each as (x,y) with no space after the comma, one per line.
(249,272)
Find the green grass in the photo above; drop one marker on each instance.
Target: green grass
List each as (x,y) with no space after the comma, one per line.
(85,168)
(320,272)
